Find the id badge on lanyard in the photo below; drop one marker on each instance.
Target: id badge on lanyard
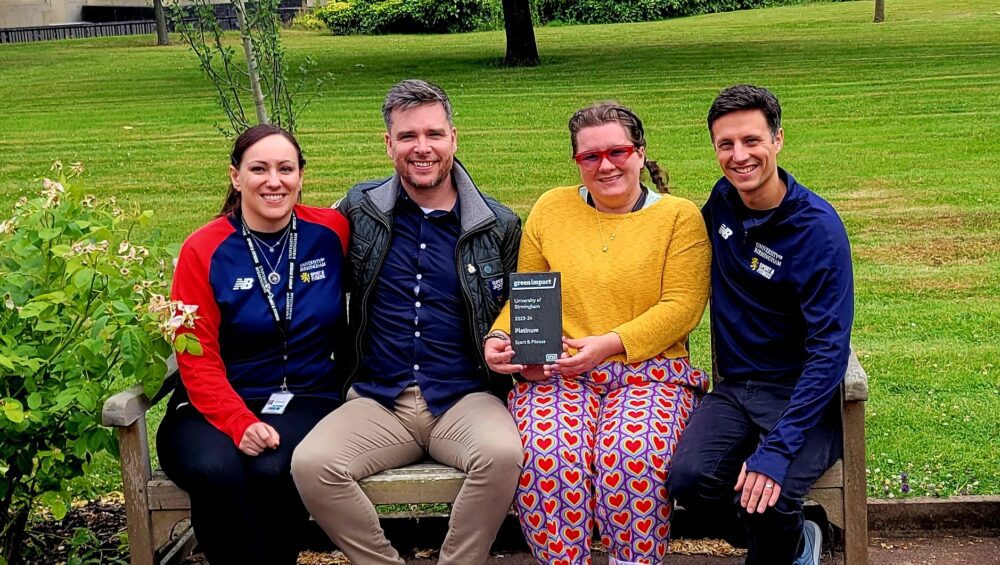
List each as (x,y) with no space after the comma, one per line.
(278,401)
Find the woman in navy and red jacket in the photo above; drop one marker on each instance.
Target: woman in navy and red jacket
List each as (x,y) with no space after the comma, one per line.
(266,277)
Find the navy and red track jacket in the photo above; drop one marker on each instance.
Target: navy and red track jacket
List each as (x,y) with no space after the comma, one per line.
(242,345)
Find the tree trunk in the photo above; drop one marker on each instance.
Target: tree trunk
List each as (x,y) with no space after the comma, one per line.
(879,11)
(258,96)
(521,48)
(161,23)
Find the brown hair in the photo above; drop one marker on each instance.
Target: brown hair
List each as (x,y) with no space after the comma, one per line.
(746,97)
(610,112)
(246,139)
(412,93)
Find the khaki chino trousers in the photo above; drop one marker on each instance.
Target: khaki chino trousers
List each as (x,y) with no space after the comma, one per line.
(477,436)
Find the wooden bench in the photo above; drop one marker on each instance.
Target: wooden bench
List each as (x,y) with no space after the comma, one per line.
(157,509)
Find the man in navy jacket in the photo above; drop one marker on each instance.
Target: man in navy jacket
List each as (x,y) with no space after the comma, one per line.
(781,313)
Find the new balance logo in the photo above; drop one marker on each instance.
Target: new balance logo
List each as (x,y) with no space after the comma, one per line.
(725,231)
(243,284)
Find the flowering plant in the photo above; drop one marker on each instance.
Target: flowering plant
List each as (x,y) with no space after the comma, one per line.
(82,315)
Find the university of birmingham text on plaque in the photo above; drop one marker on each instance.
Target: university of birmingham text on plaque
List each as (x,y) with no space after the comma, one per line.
(536,317)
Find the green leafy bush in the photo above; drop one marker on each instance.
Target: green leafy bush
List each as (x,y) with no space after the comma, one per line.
(307,21)
(614,11)
(409,16)
(82,311)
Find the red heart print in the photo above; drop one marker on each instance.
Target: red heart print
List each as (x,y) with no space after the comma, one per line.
(609,460)
(621,518)
(571,476)
(643,506)
(526,479)
(634,446)
(636,466)
(640,486)
(546,463)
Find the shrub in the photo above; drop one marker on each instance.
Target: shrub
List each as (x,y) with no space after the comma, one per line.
(614,11)
(339,17)
(82,311)
(307,21)
(409,16)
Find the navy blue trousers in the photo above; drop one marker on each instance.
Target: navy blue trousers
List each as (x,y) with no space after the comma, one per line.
(245,510)
(722,433)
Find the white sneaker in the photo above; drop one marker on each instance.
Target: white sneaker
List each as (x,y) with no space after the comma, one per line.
(812,543)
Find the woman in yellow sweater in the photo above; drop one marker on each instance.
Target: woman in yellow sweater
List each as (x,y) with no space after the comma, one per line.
(600,425)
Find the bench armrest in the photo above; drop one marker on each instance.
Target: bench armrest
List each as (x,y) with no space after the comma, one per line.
(855,380)
(123,409)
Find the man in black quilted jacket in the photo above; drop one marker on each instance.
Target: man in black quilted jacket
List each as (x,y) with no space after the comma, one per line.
(429,258)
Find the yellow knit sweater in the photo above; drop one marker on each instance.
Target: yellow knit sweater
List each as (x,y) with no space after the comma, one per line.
(650,287)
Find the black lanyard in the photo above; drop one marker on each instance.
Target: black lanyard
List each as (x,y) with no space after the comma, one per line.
(284,326)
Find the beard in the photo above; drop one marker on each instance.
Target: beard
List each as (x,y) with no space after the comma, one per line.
(444,172)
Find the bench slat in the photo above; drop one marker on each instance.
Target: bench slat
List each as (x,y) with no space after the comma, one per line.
(423,483)
(833,478)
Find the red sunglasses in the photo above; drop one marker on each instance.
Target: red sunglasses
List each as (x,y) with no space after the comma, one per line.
(591,160)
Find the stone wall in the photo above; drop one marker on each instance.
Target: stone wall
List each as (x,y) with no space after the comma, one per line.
(28,13)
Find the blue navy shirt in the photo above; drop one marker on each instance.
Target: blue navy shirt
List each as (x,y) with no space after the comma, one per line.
(782,306)
(418,327)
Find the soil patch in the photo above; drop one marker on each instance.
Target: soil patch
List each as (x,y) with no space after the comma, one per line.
(92,529)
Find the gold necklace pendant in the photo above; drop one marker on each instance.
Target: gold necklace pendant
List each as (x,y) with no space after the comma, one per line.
(606,242)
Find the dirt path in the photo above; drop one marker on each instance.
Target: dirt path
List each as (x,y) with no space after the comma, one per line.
(893,550)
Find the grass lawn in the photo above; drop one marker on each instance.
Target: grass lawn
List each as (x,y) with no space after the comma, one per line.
(896,124)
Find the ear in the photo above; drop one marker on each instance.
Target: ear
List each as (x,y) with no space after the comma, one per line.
(388,145)
(454,139)
(779,140)
(234,176)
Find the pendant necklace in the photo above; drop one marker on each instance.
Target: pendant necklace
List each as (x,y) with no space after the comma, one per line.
(605,242)
(272,246)
(273,277)
(639,203)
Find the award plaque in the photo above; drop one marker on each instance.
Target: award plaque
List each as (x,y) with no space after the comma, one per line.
(536,317)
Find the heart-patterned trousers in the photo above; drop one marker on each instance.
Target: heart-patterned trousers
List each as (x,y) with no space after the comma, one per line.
(597,448)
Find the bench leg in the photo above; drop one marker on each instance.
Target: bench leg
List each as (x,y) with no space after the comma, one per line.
(855,488)
(134,447)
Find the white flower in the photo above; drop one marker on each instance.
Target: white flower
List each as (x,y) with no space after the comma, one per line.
(52,191)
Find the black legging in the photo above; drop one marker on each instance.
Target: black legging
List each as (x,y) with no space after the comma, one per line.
(245,510)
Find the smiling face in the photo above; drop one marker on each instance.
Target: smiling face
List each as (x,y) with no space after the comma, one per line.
(748,155)
(615,188)
(422,146)
(269,180)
